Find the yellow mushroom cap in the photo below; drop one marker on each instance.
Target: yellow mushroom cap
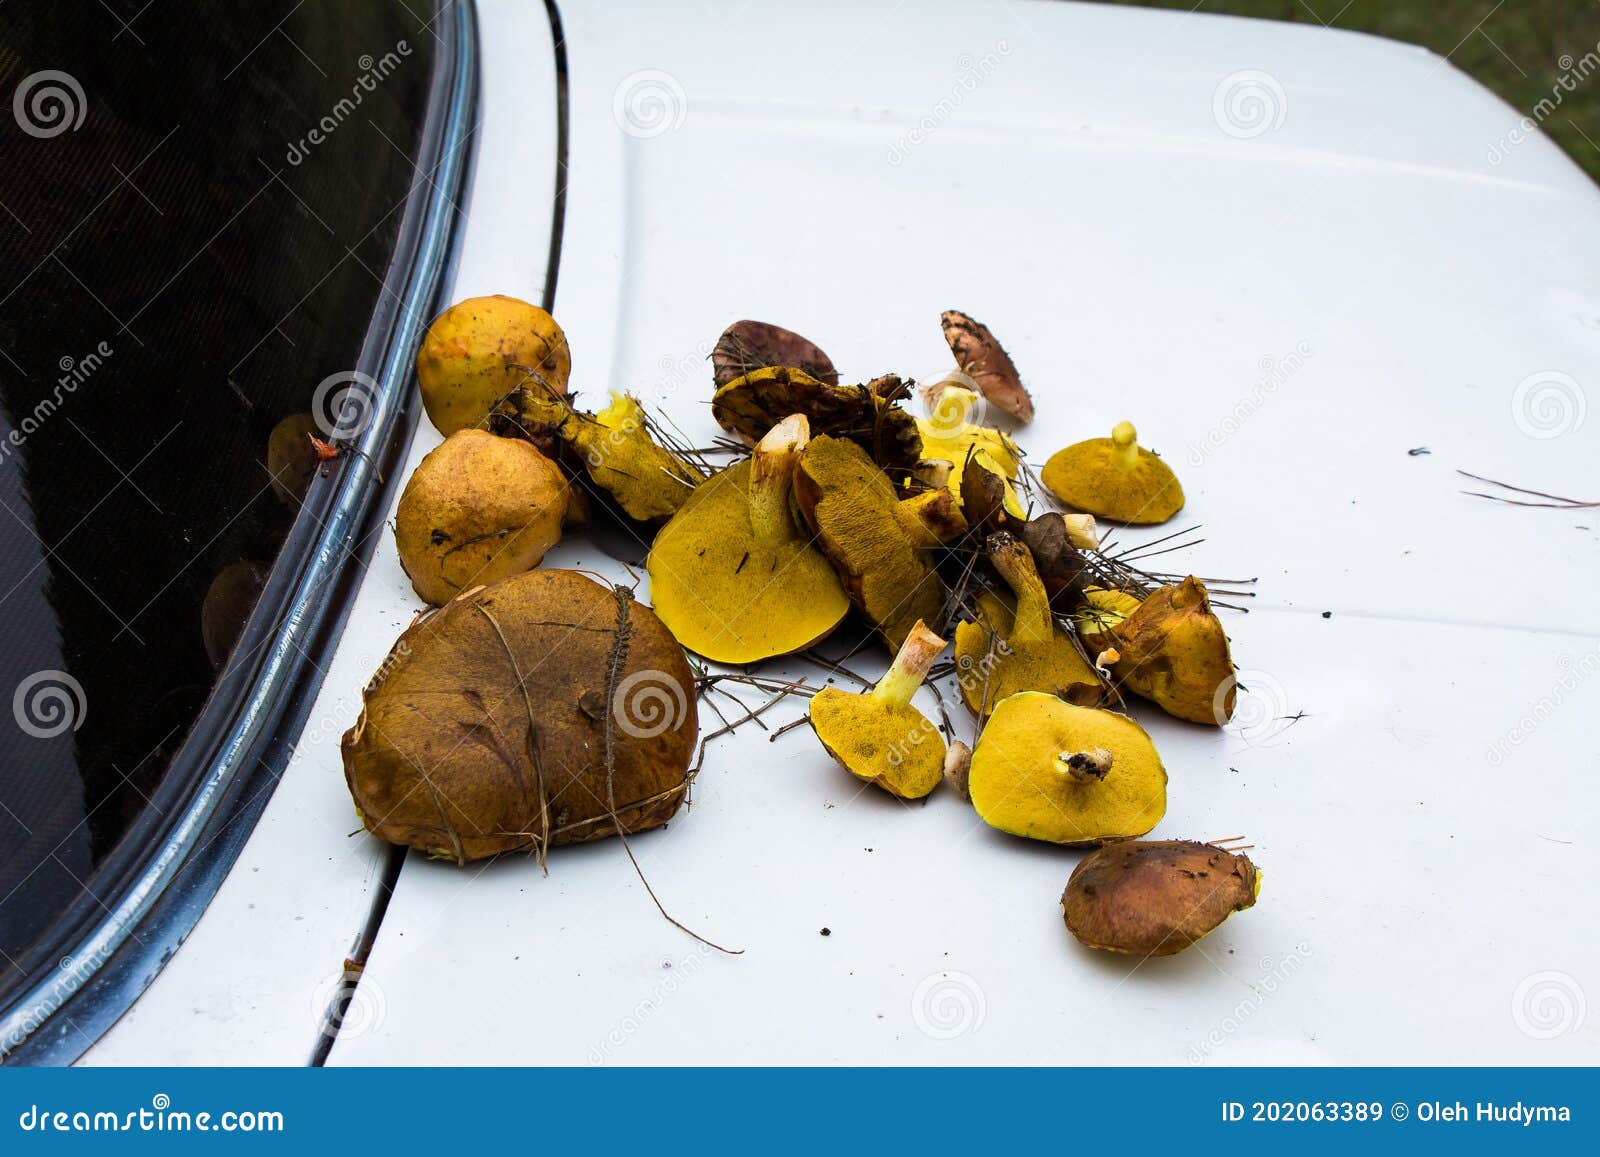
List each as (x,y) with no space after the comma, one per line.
(732,576)
(1114,478)
(1049,770)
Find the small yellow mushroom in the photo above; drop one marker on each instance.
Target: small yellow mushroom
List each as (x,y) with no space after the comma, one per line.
(1171,648)
(732,575)
(1049,770)
(949,435)
(878,736)
(1021,649)
(1115,478)
(480,350)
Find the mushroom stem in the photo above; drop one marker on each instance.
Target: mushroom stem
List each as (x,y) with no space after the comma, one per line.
(1089,766)
(1082,531)
(1034,621)
(1125,446)
(930,518)
(771,473)
(910,667)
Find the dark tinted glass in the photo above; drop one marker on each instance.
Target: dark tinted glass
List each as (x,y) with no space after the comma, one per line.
(196,210)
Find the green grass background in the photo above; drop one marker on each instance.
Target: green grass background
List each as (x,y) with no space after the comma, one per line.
(1514,47)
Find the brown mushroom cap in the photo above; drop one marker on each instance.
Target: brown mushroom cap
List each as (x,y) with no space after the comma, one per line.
(983,359)
(869,415)
(478,508)
(487,728)
(229,600)
(1156,897)
(746,346)
(291,457)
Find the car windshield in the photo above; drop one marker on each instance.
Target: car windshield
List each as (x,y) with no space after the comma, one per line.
(197,216)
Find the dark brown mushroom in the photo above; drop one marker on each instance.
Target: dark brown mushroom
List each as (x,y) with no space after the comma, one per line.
(982,359)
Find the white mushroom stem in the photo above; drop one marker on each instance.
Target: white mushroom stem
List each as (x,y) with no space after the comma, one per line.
(771,473)
(958,767)
(1082,531)
(1089,766)
(916,657)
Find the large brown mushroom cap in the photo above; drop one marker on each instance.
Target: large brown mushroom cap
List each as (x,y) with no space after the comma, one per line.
(487,729)
(869,415)
(981,357)
(1156,897)
(747,346)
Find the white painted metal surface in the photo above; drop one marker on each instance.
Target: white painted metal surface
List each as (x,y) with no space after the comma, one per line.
(253,980)
(1356,281)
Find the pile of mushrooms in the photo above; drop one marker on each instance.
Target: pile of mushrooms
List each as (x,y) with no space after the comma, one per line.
(502,721)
